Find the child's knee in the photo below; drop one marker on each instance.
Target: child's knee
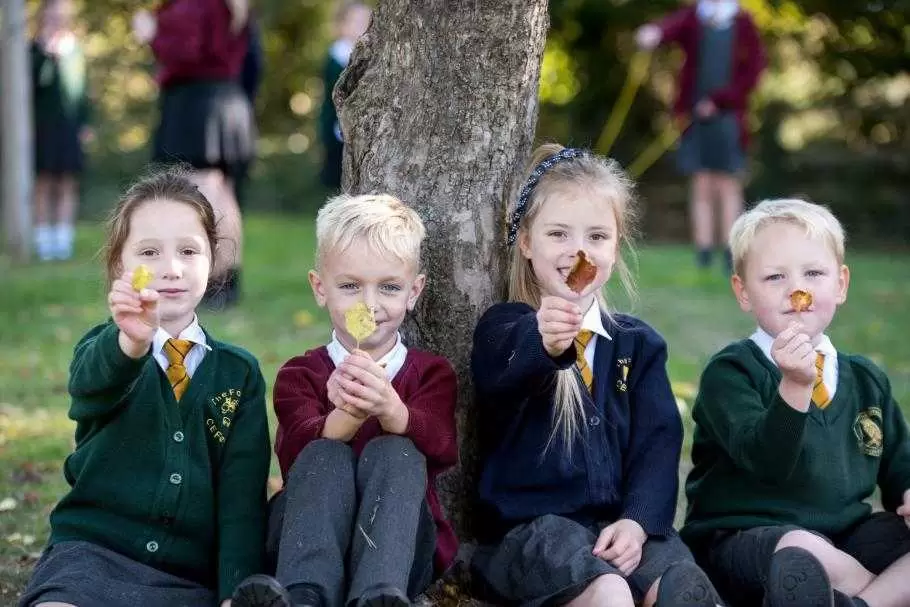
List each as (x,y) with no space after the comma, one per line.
(394,449)
(844,571)
(805,540)
(610,589)
(322,453)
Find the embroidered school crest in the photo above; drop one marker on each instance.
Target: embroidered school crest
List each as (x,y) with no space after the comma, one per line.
(623,365)
(868,430)
(226,404)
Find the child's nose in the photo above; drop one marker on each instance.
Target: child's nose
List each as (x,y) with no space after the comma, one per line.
(172,267)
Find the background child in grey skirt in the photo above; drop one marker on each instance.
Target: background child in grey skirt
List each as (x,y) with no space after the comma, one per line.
(168,504)
(724,59)
(580,433)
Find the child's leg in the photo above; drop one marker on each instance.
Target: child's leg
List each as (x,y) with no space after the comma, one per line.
(43,231)
(702,216)
(730,190)
(316,526)
(218,189)
(390,537)
(54,605)
(68,193)
(845,573)
(882,545)
(667,576)
(609,590)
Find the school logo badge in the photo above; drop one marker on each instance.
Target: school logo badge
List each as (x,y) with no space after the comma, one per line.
(868,430)
(623,365)
(226,404)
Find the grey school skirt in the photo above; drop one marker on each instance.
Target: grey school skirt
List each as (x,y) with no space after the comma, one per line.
(549,562)
(87,575)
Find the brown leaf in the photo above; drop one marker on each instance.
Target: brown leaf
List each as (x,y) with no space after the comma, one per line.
(800,300)
(582,274)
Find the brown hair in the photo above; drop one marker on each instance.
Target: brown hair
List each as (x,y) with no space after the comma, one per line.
(172,183)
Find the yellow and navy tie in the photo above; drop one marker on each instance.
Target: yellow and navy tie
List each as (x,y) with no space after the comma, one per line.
(176,351)
(820,395)
(581,342)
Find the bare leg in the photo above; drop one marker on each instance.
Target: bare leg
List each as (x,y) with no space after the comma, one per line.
(220,193)
(44,185)
(731,199)
(845,572)
(890,588)
(608,590)
(68,200)
(702,217)
(54,604)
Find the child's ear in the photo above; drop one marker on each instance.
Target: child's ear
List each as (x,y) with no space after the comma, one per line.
(742,296)
(416,289)
(318,287)
(843,282)
(524,243)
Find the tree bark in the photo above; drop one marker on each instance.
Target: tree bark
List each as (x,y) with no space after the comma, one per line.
(438,107)
(15,130)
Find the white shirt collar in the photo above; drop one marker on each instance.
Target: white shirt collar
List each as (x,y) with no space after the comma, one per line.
(393,361)
(764,341)
(193,333)
(593,320)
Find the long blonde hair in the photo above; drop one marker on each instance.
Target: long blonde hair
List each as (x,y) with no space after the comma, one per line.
(607,178)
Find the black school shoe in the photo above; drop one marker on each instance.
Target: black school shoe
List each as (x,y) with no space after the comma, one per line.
(383,596)
(261,591)
(797,579)
(686,585)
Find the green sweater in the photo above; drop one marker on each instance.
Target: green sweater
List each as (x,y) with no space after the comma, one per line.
(757,461)
(178,487)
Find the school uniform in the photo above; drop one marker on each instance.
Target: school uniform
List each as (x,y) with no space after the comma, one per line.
(206,118)
(357,515)
(722,64)
(762,468)
(167,504)
(61,107)
(329,130)
(541,506)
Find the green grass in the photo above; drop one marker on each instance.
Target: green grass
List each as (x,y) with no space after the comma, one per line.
(45,308)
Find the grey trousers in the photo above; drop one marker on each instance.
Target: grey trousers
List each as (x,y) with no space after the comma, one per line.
(344,524)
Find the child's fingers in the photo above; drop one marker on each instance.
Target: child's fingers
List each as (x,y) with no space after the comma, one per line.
(604,540)
(560,329)
(148,296)
(560,315)
(617,550)
(366,377)
(627,563)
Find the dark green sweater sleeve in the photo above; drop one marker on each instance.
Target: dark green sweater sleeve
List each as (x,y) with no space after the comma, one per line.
(894,472)
(100,374)
(762,438)
(243,476)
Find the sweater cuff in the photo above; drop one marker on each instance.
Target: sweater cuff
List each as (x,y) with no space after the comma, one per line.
(113,360)
(643,514)
(783,423)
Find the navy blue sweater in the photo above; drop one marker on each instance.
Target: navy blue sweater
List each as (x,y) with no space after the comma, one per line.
(624,464)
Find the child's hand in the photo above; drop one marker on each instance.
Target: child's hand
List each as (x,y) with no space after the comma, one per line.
(648,36)
(558,321)
(337,399)
(364,385)
(136,314)
(795,357)
(904,509)
(620,545)
(705,109)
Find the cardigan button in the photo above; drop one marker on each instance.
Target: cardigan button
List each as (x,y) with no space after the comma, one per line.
(152,546)
(594,421)
(178,436)
(176,479)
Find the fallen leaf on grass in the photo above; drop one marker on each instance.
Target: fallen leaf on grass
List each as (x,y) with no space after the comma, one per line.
(8,504)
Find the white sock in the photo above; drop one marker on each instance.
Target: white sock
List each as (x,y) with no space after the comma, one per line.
(63,241)
(44,241)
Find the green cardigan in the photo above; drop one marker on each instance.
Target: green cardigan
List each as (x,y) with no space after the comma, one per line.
(757,461)
(178,487)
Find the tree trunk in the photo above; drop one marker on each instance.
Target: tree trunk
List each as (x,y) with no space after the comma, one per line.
(438,107)
(15,129)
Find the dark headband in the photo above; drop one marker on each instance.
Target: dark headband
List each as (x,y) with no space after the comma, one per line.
(533,179)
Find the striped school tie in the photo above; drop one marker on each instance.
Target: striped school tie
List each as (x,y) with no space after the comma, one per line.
(581,342)
(820,395)
(176,350)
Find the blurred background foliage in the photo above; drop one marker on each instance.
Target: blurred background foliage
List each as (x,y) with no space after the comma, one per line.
(831,116)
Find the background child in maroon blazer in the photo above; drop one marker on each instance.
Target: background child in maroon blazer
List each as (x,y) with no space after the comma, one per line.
(364,428)
(724,58)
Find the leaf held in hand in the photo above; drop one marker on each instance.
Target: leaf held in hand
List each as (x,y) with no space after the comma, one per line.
(582,274)
(142,276)
(800,300)
(359,321)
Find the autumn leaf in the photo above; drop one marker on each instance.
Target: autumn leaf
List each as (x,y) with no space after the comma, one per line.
(582,274)
(142,276)
(800,300)
(359,321)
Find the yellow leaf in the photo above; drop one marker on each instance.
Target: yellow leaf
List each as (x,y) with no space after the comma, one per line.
(142,276)
(359,321)
(303,319)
